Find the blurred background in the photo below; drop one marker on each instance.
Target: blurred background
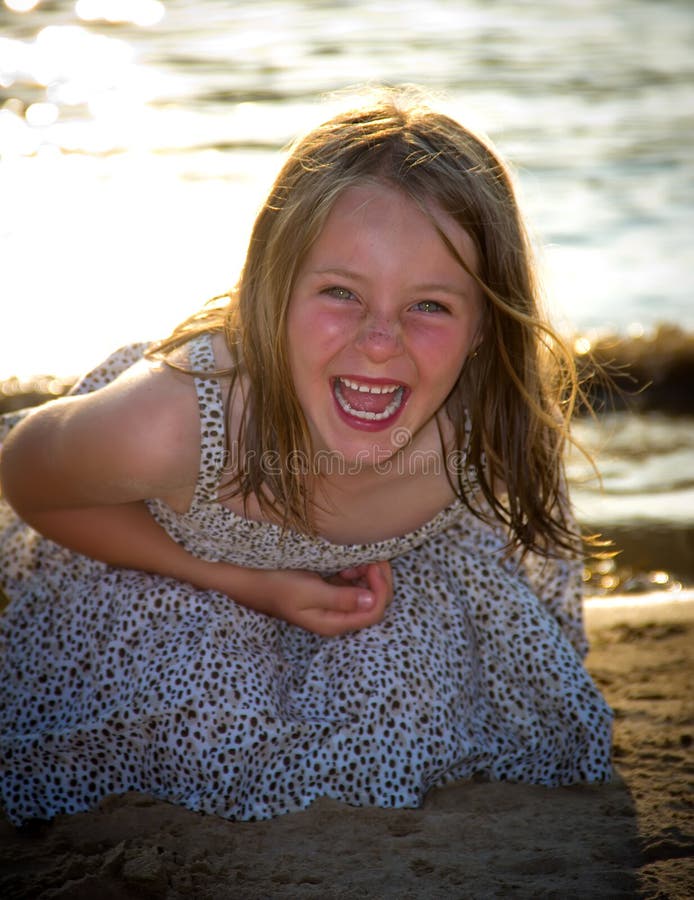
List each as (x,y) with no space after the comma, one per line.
(137,139)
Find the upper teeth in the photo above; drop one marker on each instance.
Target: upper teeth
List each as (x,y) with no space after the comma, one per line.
(397,390)
(370,388)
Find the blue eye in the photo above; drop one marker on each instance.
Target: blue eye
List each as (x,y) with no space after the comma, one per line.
(430,306)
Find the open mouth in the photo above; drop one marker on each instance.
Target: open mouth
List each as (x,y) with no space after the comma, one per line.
(368,402)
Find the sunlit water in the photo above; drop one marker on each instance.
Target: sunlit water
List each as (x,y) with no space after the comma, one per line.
(644,499)
(137,139)
(134,152)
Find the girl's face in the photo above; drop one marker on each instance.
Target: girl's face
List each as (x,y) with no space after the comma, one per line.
(380,321)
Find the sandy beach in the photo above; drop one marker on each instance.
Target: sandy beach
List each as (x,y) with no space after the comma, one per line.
(137,140)
(632,838)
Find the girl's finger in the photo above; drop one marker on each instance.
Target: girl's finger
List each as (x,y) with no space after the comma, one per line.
(348,600)
(383,579)
(352,572)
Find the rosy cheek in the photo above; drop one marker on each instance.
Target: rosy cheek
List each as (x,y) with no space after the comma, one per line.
(330,325)
(434,337)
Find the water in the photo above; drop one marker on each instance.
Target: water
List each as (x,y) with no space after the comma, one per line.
(644,500)
(133,155)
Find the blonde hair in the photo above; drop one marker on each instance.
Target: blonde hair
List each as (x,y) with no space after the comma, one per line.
(518,424)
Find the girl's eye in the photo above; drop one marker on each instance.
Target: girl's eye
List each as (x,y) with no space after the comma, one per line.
(430,306)
(339,293)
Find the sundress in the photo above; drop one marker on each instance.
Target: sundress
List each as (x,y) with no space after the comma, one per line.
(114,680)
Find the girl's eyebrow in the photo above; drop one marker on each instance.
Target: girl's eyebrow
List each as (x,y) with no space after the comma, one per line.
(340,273)
(426,286)
(441,287)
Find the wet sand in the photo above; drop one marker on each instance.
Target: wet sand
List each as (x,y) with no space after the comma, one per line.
(632,838)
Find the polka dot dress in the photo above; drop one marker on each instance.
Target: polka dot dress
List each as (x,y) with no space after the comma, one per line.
(114,680)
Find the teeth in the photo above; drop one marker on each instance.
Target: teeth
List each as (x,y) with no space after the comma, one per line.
(369,388)
(367,414)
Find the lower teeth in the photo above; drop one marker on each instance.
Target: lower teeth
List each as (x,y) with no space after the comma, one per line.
(367,414)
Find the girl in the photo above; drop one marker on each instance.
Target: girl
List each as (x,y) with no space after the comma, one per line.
(314,543)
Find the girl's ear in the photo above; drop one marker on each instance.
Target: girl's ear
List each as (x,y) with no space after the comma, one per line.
(479,334)
(477,342)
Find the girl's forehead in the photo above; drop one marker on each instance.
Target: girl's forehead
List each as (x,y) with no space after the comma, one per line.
(382,206)
(365,194)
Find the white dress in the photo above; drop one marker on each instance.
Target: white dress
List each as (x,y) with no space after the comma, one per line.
(114,680)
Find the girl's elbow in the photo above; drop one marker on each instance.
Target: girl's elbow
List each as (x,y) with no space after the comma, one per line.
(8,490)
(5,487)
(20,482)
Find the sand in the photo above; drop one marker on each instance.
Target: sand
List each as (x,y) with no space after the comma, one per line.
(631,838)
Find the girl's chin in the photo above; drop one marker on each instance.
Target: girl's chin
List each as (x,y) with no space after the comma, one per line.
(356,457)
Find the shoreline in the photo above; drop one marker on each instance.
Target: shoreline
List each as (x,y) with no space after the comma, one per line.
(649,371)
(632,838)
(652,606)
(654,377)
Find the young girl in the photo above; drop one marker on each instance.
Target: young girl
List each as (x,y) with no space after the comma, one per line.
(315,543)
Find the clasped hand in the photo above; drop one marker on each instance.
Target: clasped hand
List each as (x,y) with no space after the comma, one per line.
(348,601)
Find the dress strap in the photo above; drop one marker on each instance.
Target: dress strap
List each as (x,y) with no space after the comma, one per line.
(213,449)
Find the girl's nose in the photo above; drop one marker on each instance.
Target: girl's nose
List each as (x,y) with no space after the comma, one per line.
(379,338)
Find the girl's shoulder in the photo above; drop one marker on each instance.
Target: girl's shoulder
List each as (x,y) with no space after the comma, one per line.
(136,437)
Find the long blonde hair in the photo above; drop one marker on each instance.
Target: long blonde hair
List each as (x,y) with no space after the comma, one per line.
(519,421)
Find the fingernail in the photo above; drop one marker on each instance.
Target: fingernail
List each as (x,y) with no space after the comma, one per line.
(365,600)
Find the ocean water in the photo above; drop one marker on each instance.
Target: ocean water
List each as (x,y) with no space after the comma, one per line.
(134,152)
(137,139)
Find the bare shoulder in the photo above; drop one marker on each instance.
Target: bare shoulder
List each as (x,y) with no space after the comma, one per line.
(135,438)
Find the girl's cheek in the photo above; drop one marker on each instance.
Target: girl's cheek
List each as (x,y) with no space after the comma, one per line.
(434,337)
(333,325)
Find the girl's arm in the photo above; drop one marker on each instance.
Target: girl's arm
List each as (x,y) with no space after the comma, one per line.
(79,469)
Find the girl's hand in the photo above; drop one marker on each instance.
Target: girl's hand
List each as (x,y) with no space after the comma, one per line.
(349,601)
(359,576)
